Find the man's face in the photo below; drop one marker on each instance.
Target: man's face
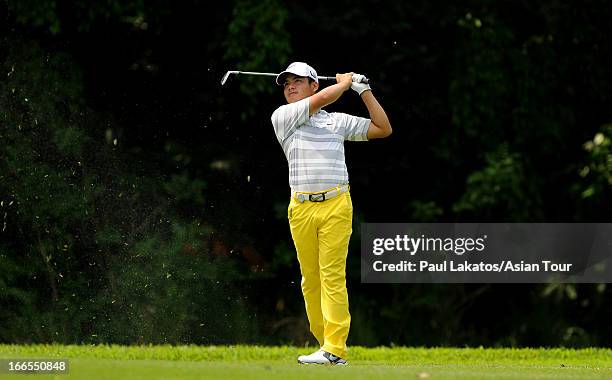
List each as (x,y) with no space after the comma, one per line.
(297,88)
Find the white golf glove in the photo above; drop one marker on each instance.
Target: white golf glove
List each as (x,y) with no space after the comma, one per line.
(359,88)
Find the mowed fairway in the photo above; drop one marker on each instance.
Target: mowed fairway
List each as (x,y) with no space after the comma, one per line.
(256,362)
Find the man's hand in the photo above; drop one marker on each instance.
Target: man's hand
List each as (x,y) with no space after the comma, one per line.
(358,87)
(345,79)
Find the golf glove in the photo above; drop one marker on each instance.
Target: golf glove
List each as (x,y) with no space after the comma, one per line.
(359,88)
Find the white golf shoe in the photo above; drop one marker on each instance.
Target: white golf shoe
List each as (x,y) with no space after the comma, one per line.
(321,357)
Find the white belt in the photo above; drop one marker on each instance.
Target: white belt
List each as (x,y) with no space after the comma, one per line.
(322,196)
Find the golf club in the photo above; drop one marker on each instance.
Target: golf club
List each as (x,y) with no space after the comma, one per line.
(224,79)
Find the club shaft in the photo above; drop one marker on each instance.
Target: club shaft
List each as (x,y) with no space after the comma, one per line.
(276,74)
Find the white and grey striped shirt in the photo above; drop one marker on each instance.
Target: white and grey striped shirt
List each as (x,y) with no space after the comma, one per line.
(314,145)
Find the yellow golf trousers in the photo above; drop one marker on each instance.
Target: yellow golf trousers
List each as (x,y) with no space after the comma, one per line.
(321,233)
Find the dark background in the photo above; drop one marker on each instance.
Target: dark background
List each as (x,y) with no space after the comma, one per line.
(141,202)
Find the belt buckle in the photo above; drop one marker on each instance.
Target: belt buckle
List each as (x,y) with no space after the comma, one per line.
(319,197)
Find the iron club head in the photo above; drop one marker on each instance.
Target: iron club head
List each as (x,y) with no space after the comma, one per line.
(224,79)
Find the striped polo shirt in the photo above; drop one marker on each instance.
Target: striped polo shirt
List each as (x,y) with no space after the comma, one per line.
(314,145)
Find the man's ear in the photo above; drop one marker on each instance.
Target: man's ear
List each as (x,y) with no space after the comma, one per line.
(315,86)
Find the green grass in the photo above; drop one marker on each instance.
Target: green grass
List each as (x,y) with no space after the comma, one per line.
(256,362)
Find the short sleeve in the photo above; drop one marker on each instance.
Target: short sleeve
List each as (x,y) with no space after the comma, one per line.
(355,127)
(287,118)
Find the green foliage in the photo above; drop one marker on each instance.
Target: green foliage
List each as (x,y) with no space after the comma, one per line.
(104,255)
(45,14)
(284,257)
(47,196)
(507,110)
(36,13)
(257,41)
(41,157)
(12,273)
(425,212)
(501,189)
(595,186)
(69,142)
(185,189)
(482,84)
(170,288)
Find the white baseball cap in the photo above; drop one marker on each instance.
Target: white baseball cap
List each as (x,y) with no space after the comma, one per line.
(300,69)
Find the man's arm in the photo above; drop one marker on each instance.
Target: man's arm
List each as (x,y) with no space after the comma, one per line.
(330,94)
(380,126)
(287,118)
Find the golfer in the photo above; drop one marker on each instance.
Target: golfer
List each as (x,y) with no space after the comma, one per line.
(320,210)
